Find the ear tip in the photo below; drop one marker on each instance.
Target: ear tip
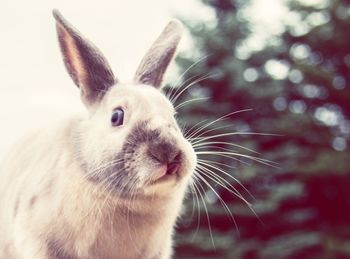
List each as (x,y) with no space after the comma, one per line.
(56,14)
(176,22)
(59,17)
(175,25)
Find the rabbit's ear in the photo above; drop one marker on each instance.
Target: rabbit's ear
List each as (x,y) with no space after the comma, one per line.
(157,59)
(84,62)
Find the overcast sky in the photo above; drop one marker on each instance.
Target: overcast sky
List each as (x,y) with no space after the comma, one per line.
(35,88)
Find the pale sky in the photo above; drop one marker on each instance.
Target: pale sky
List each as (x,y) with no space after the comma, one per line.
(35,88)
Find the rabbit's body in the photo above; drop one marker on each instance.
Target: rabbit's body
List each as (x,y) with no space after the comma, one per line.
(95,187)
(55,207)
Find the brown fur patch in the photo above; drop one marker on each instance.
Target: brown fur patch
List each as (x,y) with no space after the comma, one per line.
(56,250)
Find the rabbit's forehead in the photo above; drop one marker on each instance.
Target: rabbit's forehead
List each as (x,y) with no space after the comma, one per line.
(143,96)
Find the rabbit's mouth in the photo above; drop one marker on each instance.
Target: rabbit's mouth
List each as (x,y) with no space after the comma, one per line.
(166,172)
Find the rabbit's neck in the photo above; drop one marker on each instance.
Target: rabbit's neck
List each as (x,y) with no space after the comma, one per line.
(102,226)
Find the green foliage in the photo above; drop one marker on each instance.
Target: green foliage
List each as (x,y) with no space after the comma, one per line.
(298,87)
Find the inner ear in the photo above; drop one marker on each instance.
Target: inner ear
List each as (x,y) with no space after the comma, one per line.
(155,63)
(84,62)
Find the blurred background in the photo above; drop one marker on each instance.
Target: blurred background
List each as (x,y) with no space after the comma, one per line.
(288,61)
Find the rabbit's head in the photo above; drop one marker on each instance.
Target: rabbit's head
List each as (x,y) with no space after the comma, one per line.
(130,141)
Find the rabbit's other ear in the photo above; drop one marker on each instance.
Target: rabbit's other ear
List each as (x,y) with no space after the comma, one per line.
(157,59)
(85,63)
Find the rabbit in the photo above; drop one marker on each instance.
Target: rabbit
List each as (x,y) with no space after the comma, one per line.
(106,184)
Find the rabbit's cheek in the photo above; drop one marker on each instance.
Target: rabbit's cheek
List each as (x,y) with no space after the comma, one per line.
(190,158)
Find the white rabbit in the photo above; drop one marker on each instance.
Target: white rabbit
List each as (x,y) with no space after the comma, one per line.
(108,184)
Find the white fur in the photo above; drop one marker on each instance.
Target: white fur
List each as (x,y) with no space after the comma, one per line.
(82,218)
(62,194)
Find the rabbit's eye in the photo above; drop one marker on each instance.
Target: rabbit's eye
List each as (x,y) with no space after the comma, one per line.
(117,118)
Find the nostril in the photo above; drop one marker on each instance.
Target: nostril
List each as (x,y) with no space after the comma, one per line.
(164,152)
(173,168)
(156,153)
(155,156)
(175,157)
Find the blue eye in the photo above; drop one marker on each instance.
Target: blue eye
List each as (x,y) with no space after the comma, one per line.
(117,118)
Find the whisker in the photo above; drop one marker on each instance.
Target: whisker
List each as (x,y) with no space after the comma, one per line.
(250,206)
(179,87)
(233,134)
(187,70)
(206,76)
(236,192)
(221,201)
(229,157)
(193,185)
(192,191)
(216,163)
(194,126)
(257,159)
(226,143)
(206,209)
(224,117)
(210,164)
(179,106)
(214,148)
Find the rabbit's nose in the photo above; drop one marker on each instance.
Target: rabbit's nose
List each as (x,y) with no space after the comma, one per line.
(164,153)
(167,155)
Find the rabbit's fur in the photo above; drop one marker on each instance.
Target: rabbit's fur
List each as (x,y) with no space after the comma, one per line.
(88,190)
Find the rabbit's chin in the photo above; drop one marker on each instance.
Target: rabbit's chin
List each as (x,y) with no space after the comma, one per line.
(169,183)
(166,185)
(169,179)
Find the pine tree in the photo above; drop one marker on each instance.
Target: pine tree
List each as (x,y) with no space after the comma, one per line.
(301,202)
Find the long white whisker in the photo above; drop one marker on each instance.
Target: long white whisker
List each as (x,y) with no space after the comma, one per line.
(217,163)
(227,156)
(209,75)
(194,126)
(206,209)
(211,164)
(179,106)
(236,192)
(225,143)
(224,117)
(257,159)
(239,195)
(198,209)
(233,134)
(221,201)
(188,69)
(183,84)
